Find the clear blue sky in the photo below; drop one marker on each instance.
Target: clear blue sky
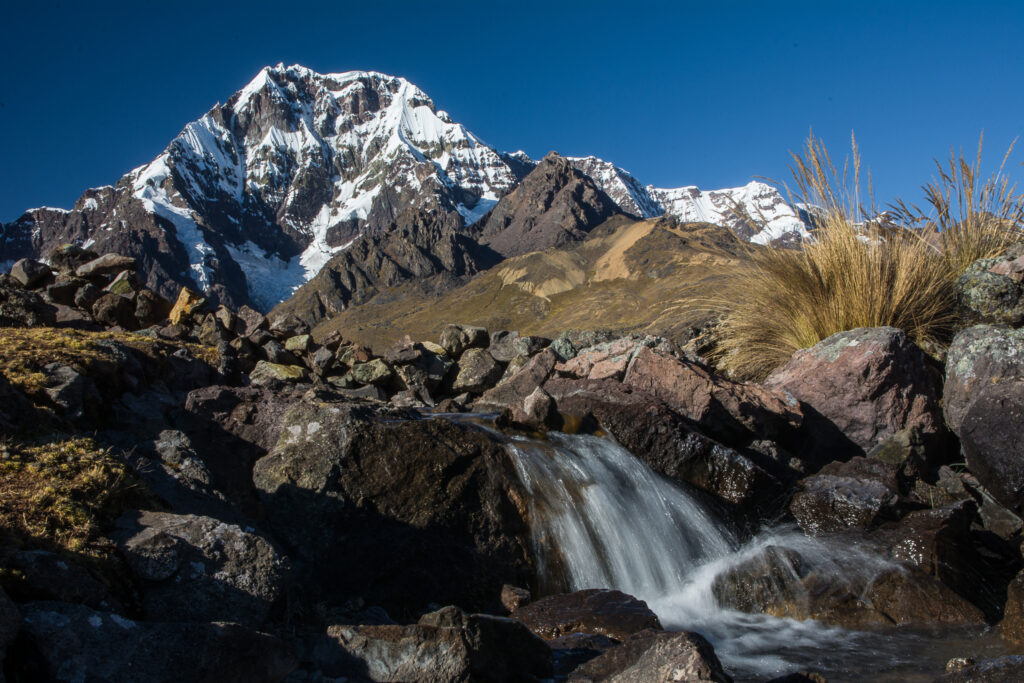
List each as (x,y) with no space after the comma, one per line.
(678,93)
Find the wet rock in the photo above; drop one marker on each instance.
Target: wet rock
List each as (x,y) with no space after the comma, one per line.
(513,597)
(871,382)
(1008,669)
(477,372)
(372,372)
(270,374)
(113,309)
(857,494)
(991,434)
(29,273)
(75,643)
(598,611)
(1012,626)
(188,302)
(457,338)
(979,356)
(724,409)
(536,412)
(652,656)
(447,645)
(433,523)
(196,568)
(108,264)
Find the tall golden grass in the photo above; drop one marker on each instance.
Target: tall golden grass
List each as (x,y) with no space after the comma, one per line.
(859,272)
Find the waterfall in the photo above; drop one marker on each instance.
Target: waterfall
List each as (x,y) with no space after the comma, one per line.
(601,518)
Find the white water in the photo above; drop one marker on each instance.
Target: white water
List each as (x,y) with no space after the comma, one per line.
(602,519)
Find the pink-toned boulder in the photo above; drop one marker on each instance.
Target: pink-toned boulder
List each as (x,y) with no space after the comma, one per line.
(724,408)
(871,382)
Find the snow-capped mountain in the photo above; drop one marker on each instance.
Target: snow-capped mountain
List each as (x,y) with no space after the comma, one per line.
(756,211)
(251,200)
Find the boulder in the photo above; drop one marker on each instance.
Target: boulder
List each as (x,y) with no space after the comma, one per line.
(1012,626)
(86,296)
(30,273)
(276,353)
(514,390)
(42,575)
(990,290)
(657,658)
(108,264)
(299,344)
(477,372)
(269,374)
(194,568)
(63,290)
(1006,669)
(248,320)
(321,361)
(871,382)
(513,597)
(188,302)
(434,523)
(726,410)
(536,412)
(446,645)
(457,338)
(75,393)
(979,356)
(503,346)
(75,643)
(124,284)
(571,342)
(375,372)
(403,352)
(67,257)
(113,309)
(991,435)
(857,494)
(150,308)
(599,611)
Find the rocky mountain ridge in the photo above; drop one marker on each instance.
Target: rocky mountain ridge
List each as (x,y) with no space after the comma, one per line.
(250,201)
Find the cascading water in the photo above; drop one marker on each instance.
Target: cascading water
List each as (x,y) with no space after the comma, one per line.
(602,519)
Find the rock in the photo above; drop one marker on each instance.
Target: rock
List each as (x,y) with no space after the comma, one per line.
(723,409)
(276,353)
(63,290)
(404,352)
(351,355)
(457,338)
(569,652)
(433,523)
(426,373)
(300,343)
(285,326)
(114,309)
(853,495)
(196,568)
(375,372)
(571,342)
(987,292)
(67,257)
(226,319)
(503,347)
(871,382)
(447,645)
(477,372)
(42,575)
(248,320)
(1007,669)
(655,657)
(150,308)
(605,612)
(75,643)
(536,412)
(513,597)
(108,264)
(915,598)
(514,390)
(321,361)
(124,284)
(29,273)
(86,296)
(991,434)
(10,624)
(1012,626)
(978,357)
(269,374)
(188,303)
(667,442)
(76,394)
(906,450)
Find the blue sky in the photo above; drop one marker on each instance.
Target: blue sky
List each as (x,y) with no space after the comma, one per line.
(678,93)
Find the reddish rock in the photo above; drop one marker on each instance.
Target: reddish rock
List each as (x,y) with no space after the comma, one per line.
(514,390)
(655,657)
(605,612)
(513,597)
(856,494)
(871,382)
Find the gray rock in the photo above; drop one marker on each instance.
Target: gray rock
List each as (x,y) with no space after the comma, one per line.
(200,569)
(503,346)
(457,338)
(375,371)
(29,273)
(86,296)
(477,372)
(276,353)
(108,264)
(991,435)
(985,295)
(75,393)
(979,356)
(113,309)
(75,643)
(652,656)
(269,374)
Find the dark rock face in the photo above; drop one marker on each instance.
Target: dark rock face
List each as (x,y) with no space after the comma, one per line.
(420,246)
(75,643)
(979,356)
(10,624)
(597,611)
(199,569)
(870,382)
(552,205)
(434,523)
(652,656)
(1012,626)
(991,435)
(43,575)
(447,645)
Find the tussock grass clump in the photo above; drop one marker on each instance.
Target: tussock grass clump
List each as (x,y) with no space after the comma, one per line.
(58,495)
(862,270)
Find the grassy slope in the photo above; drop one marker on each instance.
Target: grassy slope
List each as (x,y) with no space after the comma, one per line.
(627,275)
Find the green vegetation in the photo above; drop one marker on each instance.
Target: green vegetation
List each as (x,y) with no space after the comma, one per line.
(860,272)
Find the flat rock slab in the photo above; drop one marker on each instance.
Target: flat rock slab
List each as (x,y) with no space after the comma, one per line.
(598,611)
